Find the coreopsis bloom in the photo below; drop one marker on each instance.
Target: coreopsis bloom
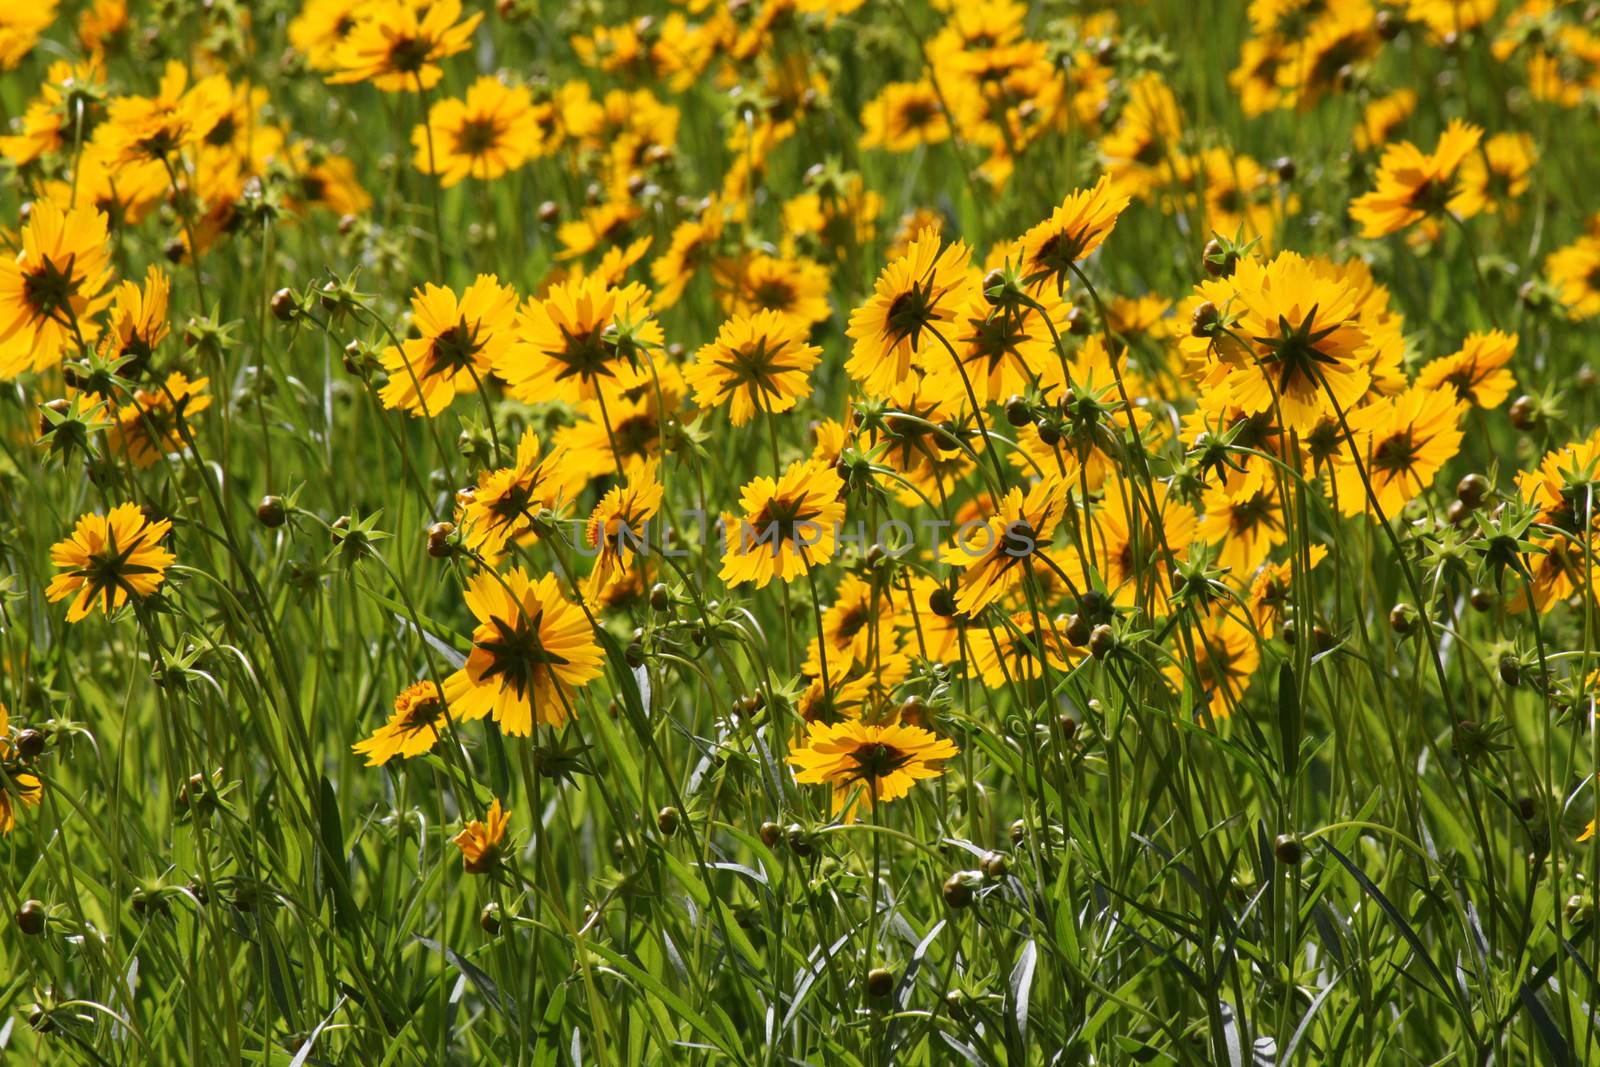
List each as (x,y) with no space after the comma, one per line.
(790,524)
(1478,371)
(418,718)
(484,135)
(480,842)
(582,338)
(532,648)
(14,780)
(460,340)
(1073,231)
(1412,185)
(138,319)
(1565,486)
(1225,657)
(1126,548)
(1574,271)
(397,45)
(836,218)
(1343,35)
(502,506)
(1243,527)
(1001,351)
(691,248)
(885,761)
(124,194)
(1238,194)
(1495,177)
(794,286)
(147,428)
(1402,442)
(321,28)
(996,553)
(102,25)
(1009,651)
(20,27)
(618,526)
(1307,343)
(1269,596)
(1382,116)
(916,297)
(1140,147)
(628,427)
(51,291)
(143,129)
(758,363)
(904,115)
(108,560)
(70,95)
(858,629)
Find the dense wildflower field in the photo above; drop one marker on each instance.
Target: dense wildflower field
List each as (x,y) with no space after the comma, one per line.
(799,531)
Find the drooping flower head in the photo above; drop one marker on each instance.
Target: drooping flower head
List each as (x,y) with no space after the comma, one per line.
(108,560)
(412,729)
(480,841)
(15,781)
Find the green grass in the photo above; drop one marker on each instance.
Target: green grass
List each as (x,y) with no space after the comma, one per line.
(1373,859)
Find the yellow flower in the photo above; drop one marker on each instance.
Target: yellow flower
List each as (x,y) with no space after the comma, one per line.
(20,27)
(50,292)
(1244,527)
(884,761)
(483,136)
(794,286)
(1411,184)
(996,553)
(1477,372)
(1382,116)
(531,648)
(858,628)
(1269,594)
(460,341)
(419,709)
(1307,342)
(758,363)
(1008,652)
(790,525)
(837,218)
(1138,150)
(321,28)
(138,320)
(108,559)
(582,338)
(147,429)
(49,123)
(14,781)
(1563,483)
(1575,273)
(397,45)
(916,297)
(480,842)
(631,421)
(693,242)
(1002,351)
(1402,442)
(1493,178)
(502,506)
(1130,558)
(1073,231)
(156,128)
(904,115)
(1225,658)
(1341,37)
(619,523)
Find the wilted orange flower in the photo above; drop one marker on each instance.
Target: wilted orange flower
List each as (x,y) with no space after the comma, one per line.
(480,842)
